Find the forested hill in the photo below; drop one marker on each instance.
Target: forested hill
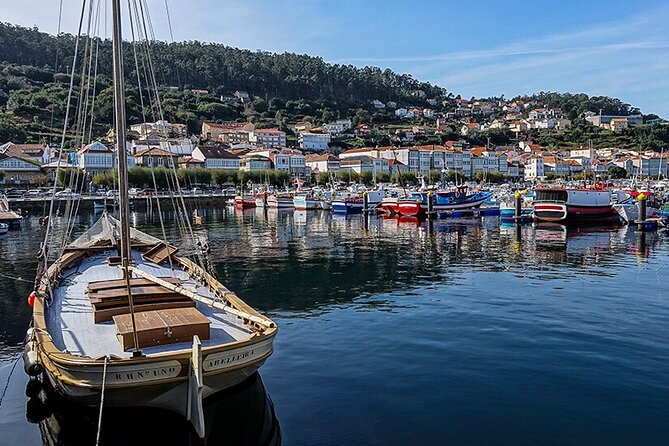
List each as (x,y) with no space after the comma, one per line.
(222,69)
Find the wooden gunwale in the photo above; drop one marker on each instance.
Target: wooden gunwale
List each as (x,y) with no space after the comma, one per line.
(54,359)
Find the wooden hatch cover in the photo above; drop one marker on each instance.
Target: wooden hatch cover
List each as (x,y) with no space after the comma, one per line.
(159,253)
(160,327)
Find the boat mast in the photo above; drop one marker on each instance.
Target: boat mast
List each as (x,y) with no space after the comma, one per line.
(124,207)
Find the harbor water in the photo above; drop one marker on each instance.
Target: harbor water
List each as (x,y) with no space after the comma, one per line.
(396,331)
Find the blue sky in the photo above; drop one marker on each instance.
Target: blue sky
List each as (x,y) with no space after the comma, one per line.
(474,48)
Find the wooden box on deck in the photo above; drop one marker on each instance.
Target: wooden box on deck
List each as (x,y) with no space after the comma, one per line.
(161,327)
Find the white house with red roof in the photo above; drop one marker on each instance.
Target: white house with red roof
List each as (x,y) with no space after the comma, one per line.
(95,158)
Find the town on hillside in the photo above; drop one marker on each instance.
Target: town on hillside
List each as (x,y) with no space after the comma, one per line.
(307,151)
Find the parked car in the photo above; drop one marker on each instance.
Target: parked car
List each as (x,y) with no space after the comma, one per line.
(146,192)
(14,194)
(67,193)
(34,193)
(133,191)
(230,192)
(112,193)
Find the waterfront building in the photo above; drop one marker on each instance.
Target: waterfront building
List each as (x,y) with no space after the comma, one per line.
(215,157)
(650,165)
(268,138)
(159,128)
(534,168)
(322,163)
(36,152)
(317,142)
(155,157)
(214,131)
(95,158)
(364,163)
(251,162)
(18,170)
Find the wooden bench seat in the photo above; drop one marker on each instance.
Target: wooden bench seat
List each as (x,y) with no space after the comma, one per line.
(110,298)
(95,287)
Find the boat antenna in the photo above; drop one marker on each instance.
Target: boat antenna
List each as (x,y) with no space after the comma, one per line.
(124,208)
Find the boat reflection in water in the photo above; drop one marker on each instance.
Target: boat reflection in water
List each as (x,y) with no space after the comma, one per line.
(243,414)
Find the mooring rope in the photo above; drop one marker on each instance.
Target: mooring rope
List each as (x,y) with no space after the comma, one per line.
(9,378)
(102,401)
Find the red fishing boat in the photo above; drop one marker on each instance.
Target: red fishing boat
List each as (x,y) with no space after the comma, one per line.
(416,206)
(390,205)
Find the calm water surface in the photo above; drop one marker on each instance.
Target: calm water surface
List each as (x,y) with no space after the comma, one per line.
(399,332)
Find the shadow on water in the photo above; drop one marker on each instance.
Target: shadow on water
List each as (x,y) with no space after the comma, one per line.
(241,415)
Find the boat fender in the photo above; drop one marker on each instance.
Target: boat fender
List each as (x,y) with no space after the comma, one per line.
(31,363)
(31,299)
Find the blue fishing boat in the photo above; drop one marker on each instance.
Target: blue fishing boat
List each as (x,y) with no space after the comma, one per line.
(354,203)
(459,200)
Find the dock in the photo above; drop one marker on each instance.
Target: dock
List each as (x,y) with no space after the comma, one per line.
(7,215)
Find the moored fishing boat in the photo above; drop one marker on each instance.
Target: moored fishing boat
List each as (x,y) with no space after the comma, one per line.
(325,204)
(283,201)
(306,202)
(390,205)
(355,203)
(459,200)
(583,205)
(119,316)
(414,206)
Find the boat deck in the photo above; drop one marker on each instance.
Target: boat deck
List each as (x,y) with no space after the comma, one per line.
(70,317)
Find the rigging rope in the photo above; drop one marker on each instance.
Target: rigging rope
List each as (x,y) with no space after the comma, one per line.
(65,126)
(102,400)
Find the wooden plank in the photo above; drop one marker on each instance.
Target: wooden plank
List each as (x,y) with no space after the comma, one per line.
(137,300)
(106,314)
(115,293)
(120,283)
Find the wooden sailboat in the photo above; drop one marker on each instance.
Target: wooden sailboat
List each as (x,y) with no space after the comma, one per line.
(120,315)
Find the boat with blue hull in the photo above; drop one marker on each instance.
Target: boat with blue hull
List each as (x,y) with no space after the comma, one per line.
(355,203)
(446,202)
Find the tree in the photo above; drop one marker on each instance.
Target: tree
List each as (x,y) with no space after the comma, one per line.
(383,177)
(617,172)
(39,179)
(71,178)
(366,177)
(10,130)
(322,178)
